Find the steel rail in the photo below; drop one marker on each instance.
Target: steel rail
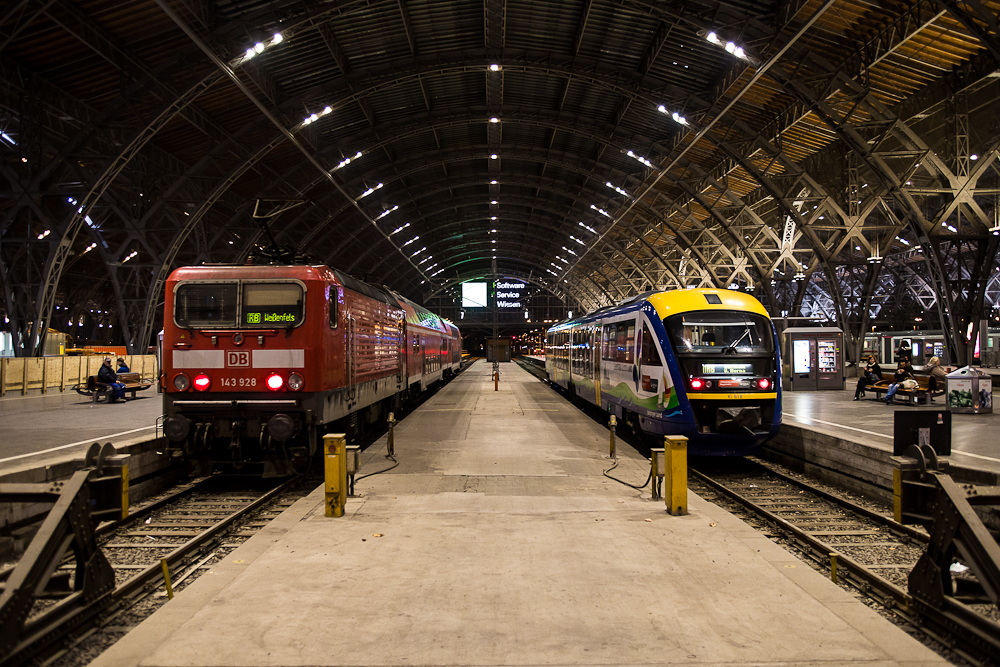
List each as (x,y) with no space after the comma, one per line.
(898,528)
(44,632)
(145,510)
(962,630)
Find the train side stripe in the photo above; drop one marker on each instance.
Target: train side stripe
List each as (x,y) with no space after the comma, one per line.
(199,359)
(279,359)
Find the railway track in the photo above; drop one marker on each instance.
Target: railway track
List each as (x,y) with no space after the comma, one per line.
(855,546)
(185,532)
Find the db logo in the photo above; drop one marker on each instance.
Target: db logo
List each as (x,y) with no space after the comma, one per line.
(237,359)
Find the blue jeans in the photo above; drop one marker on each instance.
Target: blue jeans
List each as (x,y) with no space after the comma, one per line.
(893,388)
(117,391)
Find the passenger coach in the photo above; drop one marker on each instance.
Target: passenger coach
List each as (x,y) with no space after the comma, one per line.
(702,363)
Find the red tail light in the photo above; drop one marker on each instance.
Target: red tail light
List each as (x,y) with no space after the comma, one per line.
(202,382)
(764,383)
(275,382)
(697,383)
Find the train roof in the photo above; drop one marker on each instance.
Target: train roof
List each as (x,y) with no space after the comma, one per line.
(419,316)
(673,302)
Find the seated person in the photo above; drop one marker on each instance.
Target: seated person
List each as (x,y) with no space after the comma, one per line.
(938,375)
(108,377)
(871,374)
(122,366)
(903,377)
(903,353)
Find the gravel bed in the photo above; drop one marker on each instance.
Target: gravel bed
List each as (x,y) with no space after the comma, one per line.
(866,549)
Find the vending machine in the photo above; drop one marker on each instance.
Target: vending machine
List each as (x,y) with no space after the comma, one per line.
(813,358)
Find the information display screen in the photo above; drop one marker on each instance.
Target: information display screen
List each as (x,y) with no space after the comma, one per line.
(727,369)
(473,295)
(801,357)
(272,304)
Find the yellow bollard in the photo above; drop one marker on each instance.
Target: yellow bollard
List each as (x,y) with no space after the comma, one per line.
(335,451)
(166,578)
(833,568)
(675,473)
(124,490)
(897,495)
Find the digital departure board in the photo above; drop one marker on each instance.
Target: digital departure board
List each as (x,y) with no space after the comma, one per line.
(727,369)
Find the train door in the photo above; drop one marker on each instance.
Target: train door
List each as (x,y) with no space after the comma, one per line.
(352,359)
(650,366)
(424,360)
(595,352)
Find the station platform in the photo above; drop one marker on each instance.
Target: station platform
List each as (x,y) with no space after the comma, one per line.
(498,541)
(869,422)
(49,429)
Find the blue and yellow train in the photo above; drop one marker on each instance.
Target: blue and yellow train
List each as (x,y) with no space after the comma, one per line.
(702,363)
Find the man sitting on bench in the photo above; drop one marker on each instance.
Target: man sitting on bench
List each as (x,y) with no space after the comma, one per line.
(108,377)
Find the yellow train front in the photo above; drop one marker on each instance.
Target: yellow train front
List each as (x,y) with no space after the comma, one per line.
(702,363)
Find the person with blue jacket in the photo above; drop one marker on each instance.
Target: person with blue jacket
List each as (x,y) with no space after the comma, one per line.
(108,377)
(898,378)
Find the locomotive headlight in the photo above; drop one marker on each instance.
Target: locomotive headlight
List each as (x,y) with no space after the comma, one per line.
(176,427)
(181,382)
(202,382)
(764,383)
(295,382)
(280,427)
(274,382)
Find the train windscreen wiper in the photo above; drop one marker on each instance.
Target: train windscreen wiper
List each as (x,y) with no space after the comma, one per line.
(731,349)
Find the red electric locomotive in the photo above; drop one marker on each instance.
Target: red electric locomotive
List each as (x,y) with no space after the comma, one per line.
(260,361)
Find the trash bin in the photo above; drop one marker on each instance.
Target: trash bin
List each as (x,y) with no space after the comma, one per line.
(970,390)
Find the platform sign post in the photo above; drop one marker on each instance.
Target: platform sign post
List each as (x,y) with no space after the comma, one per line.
(675,474)
(335,459)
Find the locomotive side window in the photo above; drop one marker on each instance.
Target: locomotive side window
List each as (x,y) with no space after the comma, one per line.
(648,350)
(206,305)
(272,304)
(333,307)
(625,342)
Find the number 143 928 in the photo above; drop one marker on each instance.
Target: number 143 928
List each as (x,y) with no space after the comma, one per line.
(239,382)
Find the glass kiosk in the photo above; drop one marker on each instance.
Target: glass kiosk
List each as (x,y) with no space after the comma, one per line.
(812,358)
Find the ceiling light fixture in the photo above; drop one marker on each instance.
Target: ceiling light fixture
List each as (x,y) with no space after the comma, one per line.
(679,119)
(386,212)
(640,159)
(369,191)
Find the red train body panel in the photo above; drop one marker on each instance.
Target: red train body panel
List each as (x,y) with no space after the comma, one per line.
(259,361)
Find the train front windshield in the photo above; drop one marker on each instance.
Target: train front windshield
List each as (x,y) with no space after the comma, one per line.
(232,304)
(720,342)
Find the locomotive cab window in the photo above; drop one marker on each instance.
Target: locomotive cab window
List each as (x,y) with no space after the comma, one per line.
(718,331)
(201,304)
(722,343)
(333,306)
(272,305)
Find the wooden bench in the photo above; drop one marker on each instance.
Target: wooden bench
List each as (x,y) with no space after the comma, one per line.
(95,389)
(920,395)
